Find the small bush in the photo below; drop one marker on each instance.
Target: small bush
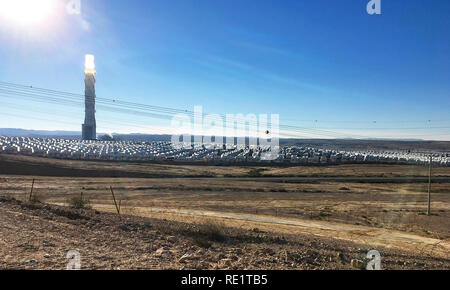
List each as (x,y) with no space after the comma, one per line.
(210,231)
(214,231)
(79,202)
(255,172)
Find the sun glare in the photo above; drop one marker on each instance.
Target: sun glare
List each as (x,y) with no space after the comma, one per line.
(89,64)
(26,12)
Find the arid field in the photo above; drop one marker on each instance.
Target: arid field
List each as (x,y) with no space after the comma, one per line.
(320,212)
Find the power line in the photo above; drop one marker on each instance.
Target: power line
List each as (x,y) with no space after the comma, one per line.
(68,99)
(52,97)
(172,110)
(65,114)
(117,106)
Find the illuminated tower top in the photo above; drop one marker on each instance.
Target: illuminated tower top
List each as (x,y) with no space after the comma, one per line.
(89,65)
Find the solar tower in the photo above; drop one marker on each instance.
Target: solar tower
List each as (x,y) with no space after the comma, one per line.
(89,128)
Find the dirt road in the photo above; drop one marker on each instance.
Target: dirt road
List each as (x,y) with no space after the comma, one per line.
(375,237)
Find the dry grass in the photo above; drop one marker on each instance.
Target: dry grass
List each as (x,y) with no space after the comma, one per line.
(79,202)
(208,232)
(212,230)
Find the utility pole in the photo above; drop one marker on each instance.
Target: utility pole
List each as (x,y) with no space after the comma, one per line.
(429,186)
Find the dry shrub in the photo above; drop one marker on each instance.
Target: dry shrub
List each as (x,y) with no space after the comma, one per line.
(255,172)
(79,202)
(36,198)
(206,233)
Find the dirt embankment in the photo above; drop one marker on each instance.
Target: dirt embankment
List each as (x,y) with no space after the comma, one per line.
(38,236)
(38,166)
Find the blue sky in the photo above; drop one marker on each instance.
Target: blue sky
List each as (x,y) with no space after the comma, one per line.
(306,60)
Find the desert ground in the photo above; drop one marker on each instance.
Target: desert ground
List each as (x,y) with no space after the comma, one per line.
(279,217)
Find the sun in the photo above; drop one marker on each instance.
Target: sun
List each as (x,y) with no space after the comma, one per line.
(26,12)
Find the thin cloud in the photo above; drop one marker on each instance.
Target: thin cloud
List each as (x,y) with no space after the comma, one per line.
(240,67)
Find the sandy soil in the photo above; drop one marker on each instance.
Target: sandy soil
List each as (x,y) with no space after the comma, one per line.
(38,236)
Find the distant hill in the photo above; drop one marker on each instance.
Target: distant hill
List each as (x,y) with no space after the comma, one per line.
(15,132)
(142,137)
(12,132)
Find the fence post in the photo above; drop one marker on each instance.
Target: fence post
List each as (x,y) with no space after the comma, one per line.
(31,192)
(115,202)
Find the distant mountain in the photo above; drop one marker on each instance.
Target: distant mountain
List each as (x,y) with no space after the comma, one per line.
(396,139)
(141,137)
(13,132)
